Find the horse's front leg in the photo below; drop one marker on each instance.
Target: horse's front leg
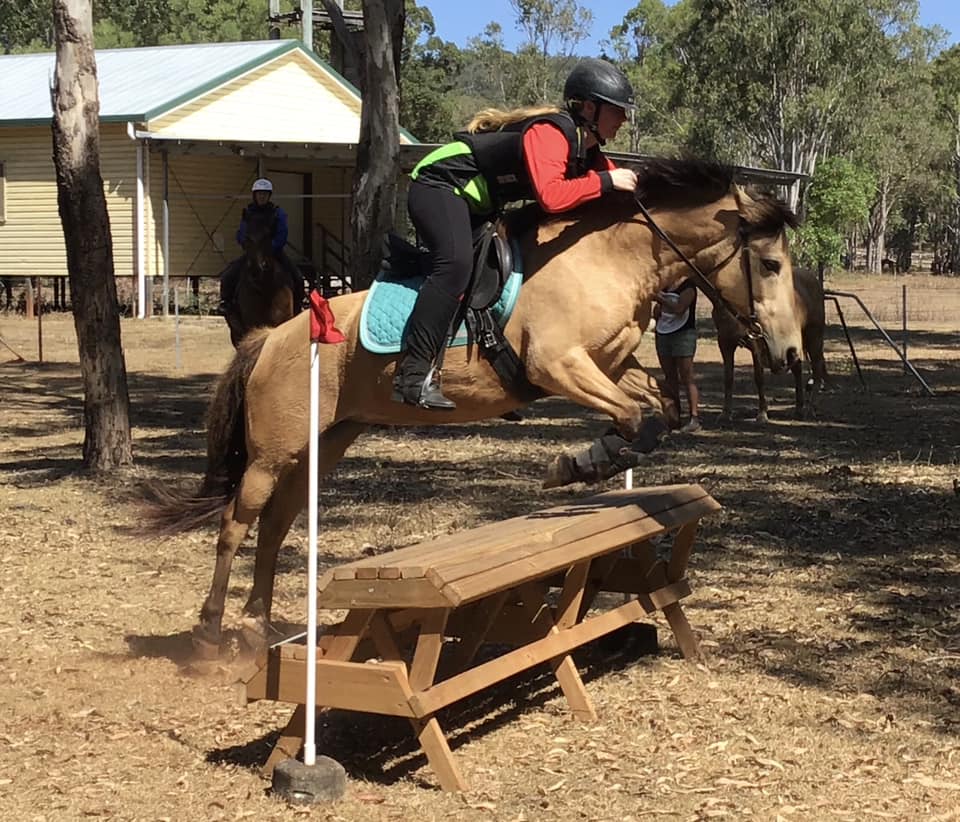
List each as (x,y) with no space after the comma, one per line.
(639,432)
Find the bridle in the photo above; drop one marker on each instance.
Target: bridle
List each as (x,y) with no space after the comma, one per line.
(754,330)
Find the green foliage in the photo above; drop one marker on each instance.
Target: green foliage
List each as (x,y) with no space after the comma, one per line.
(429,70)
(838,201)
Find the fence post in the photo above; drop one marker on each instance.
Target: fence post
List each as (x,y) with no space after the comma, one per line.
(903,311)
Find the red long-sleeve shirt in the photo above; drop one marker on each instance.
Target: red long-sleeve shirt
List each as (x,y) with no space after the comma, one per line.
(545,152)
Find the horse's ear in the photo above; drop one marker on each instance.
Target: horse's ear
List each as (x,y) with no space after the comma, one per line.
(764,214)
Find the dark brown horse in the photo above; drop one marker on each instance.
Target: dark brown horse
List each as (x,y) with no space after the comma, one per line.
(810,312)
(263,296)
(589,277)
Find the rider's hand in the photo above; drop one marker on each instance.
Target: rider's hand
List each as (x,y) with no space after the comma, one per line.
(623,179)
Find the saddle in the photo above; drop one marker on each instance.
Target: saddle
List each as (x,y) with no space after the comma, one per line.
(486,306)
(492,264)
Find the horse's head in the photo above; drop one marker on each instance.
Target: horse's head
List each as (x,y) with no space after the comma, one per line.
(258,245)
(758,280)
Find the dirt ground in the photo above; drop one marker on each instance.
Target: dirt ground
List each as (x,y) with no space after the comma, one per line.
(825,595)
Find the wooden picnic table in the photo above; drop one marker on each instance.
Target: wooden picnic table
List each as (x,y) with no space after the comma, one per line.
(421,614)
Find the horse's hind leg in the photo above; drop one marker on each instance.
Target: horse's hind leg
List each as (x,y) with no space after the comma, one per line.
(255,489)
(275,521)
(278,515)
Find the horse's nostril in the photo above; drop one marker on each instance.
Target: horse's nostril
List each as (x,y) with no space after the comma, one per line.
(792,356)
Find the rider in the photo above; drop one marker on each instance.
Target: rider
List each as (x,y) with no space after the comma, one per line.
(548,154)
(262,191)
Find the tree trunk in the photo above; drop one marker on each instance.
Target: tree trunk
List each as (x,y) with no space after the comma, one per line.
(86,233)
(378,152)
(876,232)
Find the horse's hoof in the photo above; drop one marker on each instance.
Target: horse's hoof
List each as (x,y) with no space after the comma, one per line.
(762,418)
(560,472)
(254,634)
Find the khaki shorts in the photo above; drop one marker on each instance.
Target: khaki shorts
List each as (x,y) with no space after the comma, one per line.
(677,344)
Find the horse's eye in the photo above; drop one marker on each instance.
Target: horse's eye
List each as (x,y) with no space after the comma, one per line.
(773,266)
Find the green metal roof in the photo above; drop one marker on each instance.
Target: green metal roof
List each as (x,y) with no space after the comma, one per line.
(139,84)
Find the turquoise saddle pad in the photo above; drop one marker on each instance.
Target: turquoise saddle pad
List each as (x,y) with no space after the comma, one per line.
(390,301)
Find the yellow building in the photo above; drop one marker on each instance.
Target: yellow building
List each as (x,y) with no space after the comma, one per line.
(184,132)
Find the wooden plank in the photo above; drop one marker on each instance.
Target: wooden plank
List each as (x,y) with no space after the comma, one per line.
(572,686)
(429,645)
(438,753)
(574,518)
(676,619)
(680,551)
(381,593)
(384,638)
(589,522)
(341,641)
(387,573)
(470,581)
(365,573)
(428,702)
(568,608)
(415,559)
(344,572)
(481,619)
(376,688)
(290,742)
(669,594)
(600,570)
(654,503)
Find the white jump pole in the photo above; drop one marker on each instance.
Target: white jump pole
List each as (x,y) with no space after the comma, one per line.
(313,478)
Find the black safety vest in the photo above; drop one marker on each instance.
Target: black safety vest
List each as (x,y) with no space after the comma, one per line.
(499,156)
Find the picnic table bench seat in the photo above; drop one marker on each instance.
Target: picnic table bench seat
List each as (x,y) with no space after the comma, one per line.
(419,615)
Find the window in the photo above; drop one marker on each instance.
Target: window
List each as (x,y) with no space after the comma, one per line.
(3,195)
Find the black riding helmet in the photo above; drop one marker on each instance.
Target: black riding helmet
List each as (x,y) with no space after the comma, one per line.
(600,81)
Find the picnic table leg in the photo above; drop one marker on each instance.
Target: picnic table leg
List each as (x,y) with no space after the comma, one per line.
(662,574)
(422,673)
(340,643)
(533,597)
(680,551)
(290,742)
(482,620)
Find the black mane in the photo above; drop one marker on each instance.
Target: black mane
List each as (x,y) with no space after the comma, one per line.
(682,182)
(664,182)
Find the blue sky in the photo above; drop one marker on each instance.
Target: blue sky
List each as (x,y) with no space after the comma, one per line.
(459,20)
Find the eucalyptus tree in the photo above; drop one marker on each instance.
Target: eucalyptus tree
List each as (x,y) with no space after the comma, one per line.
(783,83)
(429,78)
(75,98)
(553,29)
(645,46)
(946,84)
(899,141)
(837,205)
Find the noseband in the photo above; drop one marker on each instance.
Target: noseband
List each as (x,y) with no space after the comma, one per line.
(750,323)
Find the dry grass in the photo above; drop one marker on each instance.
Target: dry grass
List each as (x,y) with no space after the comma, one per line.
(825,594)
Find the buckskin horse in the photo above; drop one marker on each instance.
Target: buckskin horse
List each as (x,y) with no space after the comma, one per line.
(589,276)
(809,309)
(263,296)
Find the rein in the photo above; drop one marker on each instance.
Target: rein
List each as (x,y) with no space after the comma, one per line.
(750,323)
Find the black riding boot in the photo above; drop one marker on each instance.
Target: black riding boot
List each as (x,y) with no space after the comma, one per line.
(417,381)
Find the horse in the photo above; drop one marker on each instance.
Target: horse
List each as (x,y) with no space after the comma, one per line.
(589,276)
(809,309)
(263,296)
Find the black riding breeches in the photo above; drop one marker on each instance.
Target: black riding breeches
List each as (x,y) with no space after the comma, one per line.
(445,226)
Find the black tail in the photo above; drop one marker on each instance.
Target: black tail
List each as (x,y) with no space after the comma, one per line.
(169,510)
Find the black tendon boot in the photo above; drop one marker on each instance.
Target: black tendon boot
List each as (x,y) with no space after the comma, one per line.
(417,381)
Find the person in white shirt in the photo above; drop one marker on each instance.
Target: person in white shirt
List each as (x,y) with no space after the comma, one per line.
(676,332)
